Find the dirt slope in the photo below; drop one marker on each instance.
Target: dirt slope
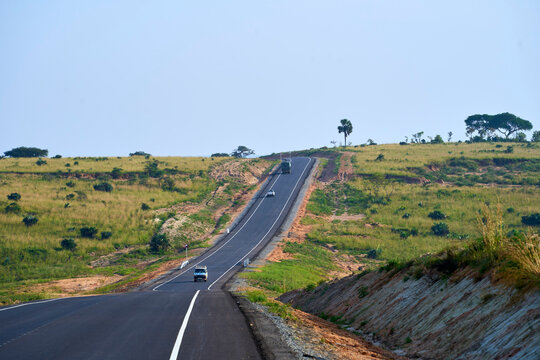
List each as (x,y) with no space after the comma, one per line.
(432,317)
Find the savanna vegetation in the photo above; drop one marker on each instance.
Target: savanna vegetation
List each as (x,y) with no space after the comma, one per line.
(74,217)
(414,199)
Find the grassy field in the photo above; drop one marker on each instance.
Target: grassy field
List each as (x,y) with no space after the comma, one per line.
(410,200)
(124,219)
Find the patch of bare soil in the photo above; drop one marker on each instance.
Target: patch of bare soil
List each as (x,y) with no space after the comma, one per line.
(346,169)
(347,217)
(327,337)
(75,286)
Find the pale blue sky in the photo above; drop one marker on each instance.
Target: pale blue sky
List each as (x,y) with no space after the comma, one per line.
(97,78)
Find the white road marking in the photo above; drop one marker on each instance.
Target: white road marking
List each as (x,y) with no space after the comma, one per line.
(277,218)
(176,348)
(31,303)
(232,237)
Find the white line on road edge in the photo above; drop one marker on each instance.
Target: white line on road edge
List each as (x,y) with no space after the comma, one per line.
(226,242)
(284,206)
(32,303)
(176,348)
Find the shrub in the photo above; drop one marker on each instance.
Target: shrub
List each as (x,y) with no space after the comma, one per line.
(116,173)
(68,244)
(440,229)
(30,220)
(105,235)
(531,220)
(70,184)
(167,184)
(406,216)
(57,156)
(509,149)
(70,196)
(145,206)
(13,208)
(40,162)
(362,291)
(159,242)
(380,157)
(104,186)
(14,196)
(437,215)
(88,231)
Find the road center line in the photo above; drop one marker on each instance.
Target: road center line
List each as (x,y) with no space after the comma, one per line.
(176,348)
(277,218)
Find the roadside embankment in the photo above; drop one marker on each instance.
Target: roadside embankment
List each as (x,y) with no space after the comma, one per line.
(432,317)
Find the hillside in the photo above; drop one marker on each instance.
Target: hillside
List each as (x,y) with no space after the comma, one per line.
(415,210)
(96,217)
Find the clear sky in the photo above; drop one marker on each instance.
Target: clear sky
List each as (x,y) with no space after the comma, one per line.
(98,78)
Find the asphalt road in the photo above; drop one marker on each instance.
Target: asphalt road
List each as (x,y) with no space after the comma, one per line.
(175,319)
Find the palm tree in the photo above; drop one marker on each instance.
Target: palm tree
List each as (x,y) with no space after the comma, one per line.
(346,129)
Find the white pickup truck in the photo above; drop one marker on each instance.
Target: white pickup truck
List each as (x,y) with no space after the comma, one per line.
(201,273)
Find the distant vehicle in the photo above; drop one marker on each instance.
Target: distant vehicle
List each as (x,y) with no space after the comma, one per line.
(286,165)
(201,273)
(271,193)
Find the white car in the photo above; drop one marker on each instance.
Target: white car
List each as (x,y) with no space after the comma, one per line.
(271,193)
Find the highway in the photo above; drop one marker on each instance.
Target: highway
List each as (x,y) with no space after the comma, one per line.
(176,318)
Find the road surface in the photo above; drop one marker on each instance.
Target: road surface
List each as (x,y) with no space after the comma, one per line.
(174,319)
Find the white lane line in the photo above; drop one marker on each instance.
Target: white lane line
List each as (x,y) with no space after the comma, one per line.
(277,218)
(176,348)
(232,237)
(32,303)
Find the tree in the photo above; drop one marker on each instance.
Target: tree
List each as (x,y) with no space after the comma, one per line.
(68,244)
(242,151)
(504,123)
(151,169)
(139,153)
(536,136)
(88,231)
(417,138)
(219,155)
(30,220)
(520,137)
(437,140)
(158,243)
(345,128)
(104,186)
(450,135)
(26,152)
(14,196)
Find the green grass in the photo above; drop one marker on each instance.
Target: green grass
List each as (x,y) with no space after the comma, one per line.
(66,202)
(311,265)
(397,194)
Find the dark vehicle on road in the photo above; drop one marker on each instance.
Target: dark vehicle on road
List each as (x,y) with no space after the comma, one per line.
(286,166)
(201,273)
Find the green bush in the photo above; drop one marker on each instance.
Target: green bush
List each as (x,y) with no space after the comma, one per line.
(14,196)
(105,235)
(40,162)
(440,229)
(437,215)
(88,231)
(13,208)
(145,206)
(30,220)
(68,244)
(158,243)
(531,220)
(116,173)
(104,186)
(70,184)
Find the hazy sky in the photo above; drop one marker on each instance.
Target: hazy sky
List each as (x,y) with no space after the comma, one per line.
(95,78)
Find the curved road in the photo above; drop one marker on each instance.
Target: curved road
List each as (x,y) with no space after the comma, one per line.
(176,319)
